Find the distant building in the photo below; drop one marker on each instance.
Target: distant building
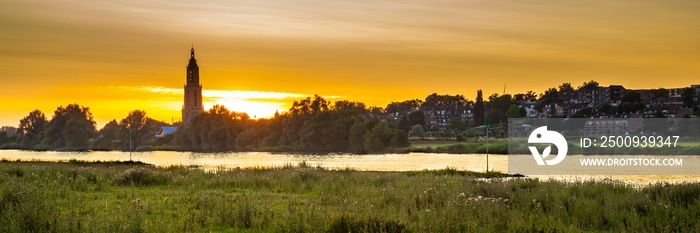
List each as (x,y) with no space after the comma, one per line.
(675,91)
(592,95)
(439,116)
(616,93)
(529,107)
(607,126)
(165,130)
(193,91)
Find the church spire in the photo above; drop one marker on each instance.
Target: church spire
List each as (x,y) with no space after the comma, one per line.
(193,90)
(192,70)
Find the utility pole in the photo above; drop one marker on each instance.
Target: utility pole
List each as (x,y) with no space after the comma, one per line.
(487,145)
(129,144)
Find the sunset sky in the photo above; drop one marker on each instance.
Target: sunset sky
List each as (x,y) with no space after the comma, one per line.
(258,56)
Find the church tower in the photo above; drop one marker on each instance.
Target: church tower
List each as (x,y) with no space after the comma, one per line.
(193,91)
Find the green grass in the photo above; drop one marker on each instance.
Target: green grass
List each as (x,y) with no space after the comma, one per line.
(420,143)
(431,143)
(134,197)
(688,144)
(497,147)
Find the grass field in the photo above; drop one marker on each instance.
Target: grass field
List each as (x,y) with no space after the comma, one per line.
(134,197)
(442,142)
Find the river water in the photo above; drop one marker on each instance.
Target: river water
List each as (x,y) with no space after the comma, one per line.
(371,162)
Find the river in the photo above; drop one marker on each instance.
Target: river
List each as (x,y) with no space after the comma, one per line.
(371,162)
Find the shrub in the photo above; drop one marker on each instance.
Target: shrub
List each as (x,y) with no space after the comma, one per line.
(142,177)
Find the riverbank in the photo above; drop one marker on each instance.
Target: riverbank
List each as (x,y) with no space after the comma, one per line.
(424,146)
(124,196)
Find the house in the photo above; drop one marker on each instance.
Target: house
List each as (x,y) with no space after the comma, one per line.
(680,113)
(439,116)
(612,126)
(697,92)
(558,110)
(616,93)
(666,109)
(529,107)
(573,108)
(587,95)
(165,130)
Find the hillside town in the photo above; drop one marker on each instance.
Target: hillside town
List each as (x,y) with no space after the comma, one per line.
(587,101)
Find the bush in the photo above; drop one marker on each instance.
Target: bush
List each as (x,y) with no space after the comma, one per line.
(400,139)
(142,177)
(417,131)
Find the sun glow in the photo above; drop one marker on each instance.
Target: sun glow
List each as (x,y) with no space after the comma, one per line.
(257,104)
(254,109)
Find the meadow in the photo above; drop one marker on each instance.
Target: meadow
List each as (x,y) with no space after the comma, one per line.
(79,196)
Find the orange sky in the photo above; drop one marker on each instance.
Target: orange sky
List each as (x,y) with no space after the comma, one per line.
(117,56)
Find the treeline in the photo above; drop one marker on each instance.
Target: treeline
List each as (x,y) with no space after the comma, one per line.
(73,128)
(310,125)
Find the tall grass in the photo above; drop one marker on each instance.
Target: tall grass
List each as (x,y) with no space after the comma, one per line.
(498,147)
(123,197)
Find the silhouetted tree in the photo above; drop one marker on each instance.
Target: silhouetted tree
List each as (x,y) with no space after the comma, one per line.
(404,124)
(4,138)
(479,108)
(435,100)
(687,96)
(456,123)
(345,105)
(356,136)
(327,131)
(408,105)
(591,83)
(661,92)
(309,106)
(376,110)
(108,137)
(30,127)
(565,87)
(70,128)
(495,116)
(378,137)
(417,118)
(551,97)
(607,109)
(400,139)
(501,102)
(513,112)
(531,95)
(417,131)
(247,140)
(631,102)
